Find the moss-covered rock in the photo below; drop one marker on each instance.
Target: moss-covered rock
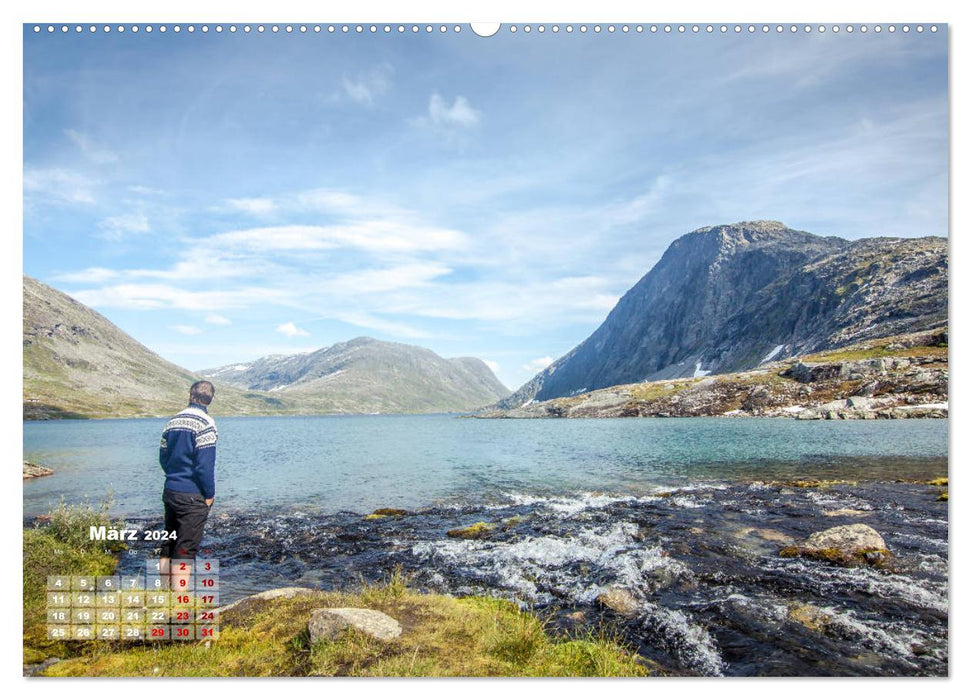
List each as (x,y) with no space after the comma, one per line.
(476,531)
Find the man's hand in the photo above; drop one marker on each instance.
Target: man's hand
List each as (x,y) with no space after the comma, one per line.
(209,502)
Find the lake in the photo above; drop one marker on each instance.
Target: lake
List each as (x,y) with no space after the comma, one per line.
(359,463)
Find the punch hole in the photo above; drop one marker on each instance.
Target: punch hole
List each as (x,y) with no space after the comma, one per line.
(933,28)
(526,29)
(863,28)
(513,29)
(596,28)
(765,28)
(163,29)
(849,28)
(191,29)
(920,27)
(681,28)
(541,28)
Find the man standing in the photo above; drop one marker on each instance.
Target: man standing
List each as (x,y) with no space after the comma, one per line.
(187,454)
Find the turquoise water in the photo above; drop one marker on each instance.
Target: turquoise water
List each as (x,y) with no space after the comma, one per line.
(359,463)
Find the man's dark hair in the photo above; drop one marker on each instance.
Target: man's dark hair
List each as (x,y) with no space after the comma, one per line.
(202,392)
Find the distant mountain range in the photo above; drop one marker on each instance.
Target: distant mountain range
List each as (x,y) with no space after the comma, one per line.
(77,364)
(729,298)
(367,375)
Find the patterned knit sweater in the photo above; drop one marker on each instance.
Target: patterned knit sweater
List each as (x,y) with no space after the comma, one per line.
(187,452)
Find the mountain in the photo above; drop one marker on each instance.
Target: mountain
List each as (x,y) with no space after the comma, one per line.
(77,364)
(729,298)
(368,375)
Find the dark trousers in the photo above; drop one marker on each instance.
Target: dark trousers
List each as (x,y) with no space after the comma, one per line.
(186,514)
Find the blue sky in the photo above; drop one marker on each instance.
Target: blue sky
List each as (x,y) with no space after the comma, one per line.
(222,197)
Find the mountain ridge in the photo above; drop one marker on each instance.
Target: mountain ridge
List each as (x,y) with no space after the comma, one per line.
(78,364)
(726,298)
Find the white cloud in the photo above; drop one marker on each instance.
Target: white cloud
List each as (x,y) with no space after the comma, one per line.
(376,236)
(163,296)
(459,115)
(186,330)
(58,185)
(367,320)
(369,86)
(389,279)
(217,320)
(89,149)
(290,330)
(493,365)
(89,275)
(256,206)
(540,363)
(116,228)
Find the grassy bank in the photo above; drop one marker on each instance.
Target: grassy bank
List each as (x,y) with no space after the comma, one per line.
(442,636)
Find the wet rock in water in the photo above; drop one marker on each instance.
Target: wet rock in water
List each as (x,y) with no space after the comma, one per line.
(330,623)
(852,512)
(845,544)
(32,471)
(478,531)
(620,600)
(809,616)
(386,513)
(766,533)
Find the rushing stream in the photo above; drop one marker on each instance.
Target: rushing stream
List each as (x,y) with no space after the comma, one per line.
(713,597)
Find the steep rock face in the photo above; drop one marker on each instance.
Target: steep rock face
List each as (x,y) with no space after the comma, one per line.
(365,374)
(728,298)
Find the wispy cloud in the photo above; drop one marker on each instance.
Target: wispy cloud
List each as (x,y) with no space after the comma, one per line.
(493,365)
(218,320)
(146,297)
(116,228)
(58,185)
(290,330)
(365,88)
(89,275)
(93,152)
(363,319)
(256,206)
(458,115)
(540,363)
(186,330)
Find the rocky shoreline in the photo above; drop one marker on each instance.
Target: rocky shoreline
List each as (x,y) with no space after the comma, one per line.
(32,471)
(904,376)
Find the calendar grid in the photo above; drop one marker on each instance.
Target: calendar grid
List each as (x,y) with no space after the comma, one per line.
(157,604)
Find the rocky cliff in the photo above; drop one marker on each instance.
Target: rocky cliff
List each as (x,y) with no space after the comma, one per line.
(729,298)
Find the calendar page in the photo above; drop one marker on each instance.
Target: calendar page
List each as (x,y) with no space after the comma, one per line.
(612,347)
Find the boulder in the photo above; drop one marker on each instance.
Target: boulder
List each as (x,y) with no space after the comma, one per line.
(330,623)
(618,599)
(848,539)
(844,544)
